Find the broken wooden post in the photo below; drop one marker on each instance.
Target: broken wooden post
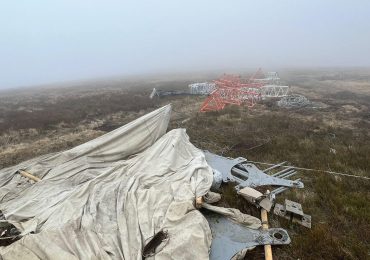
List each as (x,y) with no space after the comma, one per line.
(29,176)
(265,225)
(199,202)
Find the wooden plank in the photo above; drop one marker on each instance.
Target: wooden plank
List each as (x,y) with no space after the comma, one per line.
(265,225)
(29,176)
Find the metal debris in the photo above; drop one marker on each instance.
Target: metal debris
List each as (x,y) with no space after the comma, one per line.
(283,172)
(203,88)
(229,238)
(273,91)
(230,91)
(247,174)
(271,77)
(256,198)
(217,180)
(271,84)
(162,93)
(293,101)
(279,190)
(250,176)
(293,211)
(223,165)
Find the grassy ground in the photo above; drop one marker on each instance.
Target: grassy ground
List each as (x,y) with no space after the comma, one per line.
(333,137)
(338,205)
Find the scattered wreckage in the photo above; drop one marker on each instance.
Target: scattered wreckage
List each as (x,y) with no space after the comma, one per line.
(293,211)
(246,177)
(274,91)
(202,88)
(134,193)
(294,100)
(247,174)
(237,238)
(163,93)
(235,90)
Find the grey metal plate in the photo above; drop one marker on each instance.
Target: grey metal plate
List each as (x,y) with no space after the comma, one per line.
(223,164)
(245,174)
(293,207)
(251,176)
(229,238)
(304,220)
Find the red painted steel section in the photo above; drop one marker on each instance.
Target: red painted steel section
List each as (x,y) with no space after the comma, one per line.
(232,89)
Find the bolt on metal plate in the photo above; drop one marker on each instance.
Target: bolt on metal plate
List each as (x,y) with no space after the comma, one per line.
(293,211)
(229,237)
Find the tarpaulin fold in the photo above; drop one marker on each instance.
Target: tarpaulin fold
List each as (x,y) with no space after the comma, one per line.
(105,198)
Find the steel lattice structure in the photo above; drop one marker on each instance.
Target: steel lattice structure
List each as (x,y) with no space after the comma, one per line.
(273,91)
(204,88)
(293,101)
(231,89)
(272,87)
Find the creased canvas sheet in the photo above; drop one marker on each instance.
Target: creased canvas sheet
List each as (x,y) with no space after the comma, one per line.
(105,198)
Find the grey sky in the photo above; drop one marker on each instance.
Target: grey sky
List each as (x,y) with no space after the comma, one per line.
(60,40)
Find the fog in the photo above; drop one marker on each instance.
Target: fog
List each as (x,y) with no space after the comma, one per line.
(50,41)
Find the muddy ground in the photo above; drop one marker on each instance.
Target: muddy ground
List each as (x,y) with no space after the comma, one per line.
(332,135)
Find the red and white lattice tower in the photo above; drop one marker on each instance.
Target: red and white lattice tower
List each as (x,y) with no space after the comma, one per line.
(231,89)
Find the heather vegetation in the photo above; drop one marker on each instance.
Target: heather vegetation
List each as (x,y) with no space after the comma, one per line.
(333,136)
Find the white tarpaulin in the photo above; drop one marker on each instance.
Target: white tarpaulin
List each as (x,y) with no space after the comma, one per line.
(105,198)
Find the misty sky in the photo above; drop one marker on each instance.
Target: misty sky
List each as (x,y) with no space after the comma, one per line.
(60,40)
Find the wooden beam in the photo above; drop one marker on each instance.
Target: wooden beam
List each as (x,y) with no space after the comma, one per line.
(198,202)
(29,176)
(265,225)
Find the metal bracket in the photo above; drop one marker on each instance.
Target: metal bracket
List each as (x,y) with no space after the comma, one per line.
(248,175)
(223,164)
(293,212)
(256,198)
(229,238)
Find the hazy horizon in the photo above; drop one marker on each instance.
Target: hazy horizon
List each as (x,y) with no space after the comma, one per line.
(62,41)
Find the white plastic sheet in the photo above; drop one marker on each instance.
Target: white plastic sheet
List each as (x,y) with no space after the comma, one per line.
(105,198)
